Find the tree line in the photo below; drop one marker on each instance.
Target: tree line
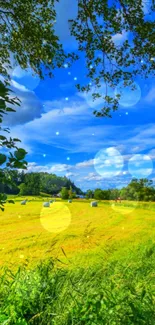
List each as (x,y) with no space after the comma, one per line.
(33,183)
(137,190)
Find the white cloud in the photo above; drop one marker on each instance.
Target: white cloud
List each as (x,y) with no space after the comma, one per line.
(150,96)
(49,168)
(71,174)
(93,177)
(18,86)
(120,37)
(60,168)
(86,163)
(64,108)
(30,106)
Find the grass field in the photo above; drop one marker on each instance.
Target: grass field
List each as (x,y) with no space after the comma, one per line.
(72,264)
(30,233)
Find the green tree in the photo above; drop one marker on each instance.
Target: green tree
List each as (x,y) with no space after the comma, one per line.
(98,195)
(102,194)
(9,160)
(70,192)
(89,194)
(106,194)
(64,193)
(31,185)
(114,194)
(141,190)
(23,189)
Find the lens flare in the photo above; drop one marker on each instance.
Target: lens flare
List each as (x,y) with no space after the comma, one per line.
(56,218)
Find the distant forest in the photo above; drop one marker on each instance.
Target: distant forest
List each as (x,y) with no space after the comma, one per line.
(137,190)
(34,183)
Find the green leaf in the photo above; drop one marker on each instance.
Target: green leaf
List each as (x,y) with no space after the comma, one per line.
(20,154)
(2,159)
(2,137)
(9,109)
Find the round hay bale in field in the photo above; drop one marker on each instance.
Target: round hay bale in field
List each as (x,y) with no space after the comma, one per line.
(94,204)
(51,201)
(46,204)
(69,201)
(23,202)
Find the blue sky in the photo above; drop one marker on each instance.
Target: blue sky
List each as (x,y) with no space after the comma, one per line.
(62,136)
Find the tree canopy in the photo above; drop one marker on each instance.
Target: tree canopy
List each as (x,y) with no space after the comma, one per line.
(96,28)
(137,190)
(35,183)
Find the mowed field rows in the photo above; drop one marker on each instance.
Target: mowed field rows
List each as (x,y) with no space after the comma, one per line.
(29,233)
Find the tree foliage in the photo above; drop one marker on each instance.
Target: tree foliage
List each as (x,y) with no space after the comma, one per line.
(9,159)
(98,24)
(27,39)
(141,190)
(34,183)
(89,194)
(27,32)
(31,185)
(101,194)
(137,190)
(64,193)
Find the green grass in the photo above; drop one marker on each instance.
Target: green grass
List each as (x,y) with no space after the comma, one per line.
(119,292)
(99,269)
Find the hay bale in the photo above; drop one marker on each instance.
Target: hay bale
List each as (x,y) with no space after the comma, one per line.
(46,204)
(69,201)
(23,202)
(51,201)
(94,204)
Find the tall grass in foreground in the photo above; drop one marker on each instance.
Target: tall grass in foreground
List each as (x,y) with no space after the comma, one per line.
(112,293)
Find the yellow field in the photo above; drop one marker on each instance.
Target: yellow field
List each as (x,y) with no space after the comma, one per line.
(30,233)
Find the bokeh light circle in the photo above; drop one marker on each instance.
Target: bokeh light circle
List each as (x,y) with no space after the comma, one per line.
(108,162)
(140,166)
(26,78)
(129,97)
(122,206)
(125,207)
(56,218)
(93,103)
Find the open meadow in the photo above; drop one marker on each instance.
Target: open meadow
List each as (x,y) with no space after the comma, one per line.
(30,232)
(72,264)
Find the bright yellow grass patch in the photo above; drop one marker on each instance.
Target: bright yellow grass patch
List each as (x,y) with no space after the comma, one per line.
(31,232)
(57,218)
